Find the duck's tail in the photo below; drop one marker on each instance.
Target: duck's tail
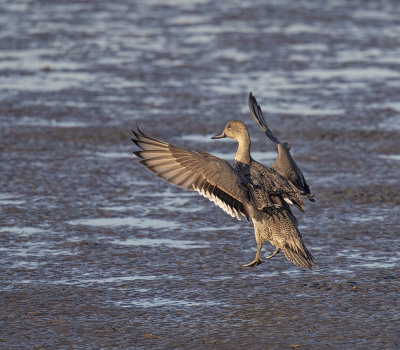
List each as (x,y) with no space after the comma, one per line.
(258,116)
(301,257)
(287,233)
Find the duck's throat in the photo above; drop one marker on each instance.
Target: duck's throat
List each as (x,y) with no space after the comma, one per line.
(243,151)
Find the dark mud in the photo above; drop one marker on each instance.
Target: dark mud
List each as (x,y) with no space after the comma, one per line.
(96,252)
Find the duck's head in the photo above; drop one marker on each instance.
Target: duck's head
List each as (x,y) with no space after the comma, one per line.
(234,129)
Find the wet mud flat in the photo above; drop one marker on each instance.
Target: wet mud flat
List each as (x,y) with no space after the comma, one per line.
(117,274)
(96,252)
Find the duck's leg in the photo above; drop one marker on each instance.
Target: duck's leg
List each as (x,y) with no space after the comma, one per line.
(257,260)
(273,254)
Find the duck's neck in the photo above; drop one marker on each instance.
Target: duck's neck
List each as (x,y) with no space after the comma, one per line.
(243,151)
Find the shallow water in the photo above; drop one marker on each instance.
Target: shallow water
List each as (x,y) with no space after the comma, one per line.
(96,252)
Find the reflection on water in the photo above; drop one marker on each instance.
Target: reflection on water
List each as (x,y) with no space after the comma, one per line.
(380,264)
(171,243)
(390,156)
(258,156)
(351,74)
(9,199)
(300,109)
(90,281)
(21,230)
(115,154)
(114,279)
(158,301)
(57,81)
(370,259)
(38,122)
(196,138)
(127,221)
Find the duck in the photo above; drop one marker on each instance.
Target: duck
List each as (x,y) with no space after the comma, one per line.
(247,189)
(284,163)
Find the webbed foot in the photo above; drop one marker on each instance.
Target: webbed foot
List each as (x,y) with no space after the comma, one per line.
(257,260)
(273,254)
(254,263)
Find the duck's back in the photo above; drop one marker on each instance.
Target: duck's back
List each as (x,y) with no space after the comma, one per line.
(268,188)
(268,180)
(287,167)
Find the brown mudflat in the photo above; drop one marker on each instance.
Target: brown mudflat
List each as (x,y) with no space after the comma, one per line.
(98,253)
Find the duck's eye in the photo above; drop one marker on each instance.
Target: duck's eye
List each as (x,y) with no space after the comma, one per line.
(229,126)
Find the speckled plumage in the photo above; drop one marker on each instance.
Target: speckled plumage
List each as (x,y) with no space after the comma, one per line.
(248,189)
(282,232)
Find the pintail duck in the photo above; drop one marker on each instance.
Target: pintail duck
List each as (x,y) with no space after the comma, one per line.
(284,163)
(248,189)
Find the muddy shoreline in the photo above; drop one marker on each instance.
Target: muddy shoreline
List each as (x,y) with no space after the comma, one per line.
(96,252)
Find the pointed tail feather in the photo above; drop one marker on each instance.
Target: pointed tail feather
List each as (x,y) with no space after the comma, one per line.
(286,235)
(256,113)
(301,258)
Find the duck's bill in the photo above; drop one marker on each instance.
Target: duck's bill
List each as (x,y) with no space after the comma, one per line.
(219,136)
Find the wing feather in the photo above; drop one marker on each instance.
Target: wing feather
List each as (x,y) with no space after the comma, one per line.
(212,177)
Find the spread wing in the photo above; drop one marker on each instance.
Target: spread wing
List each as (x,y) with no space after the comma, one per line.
(212,177)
